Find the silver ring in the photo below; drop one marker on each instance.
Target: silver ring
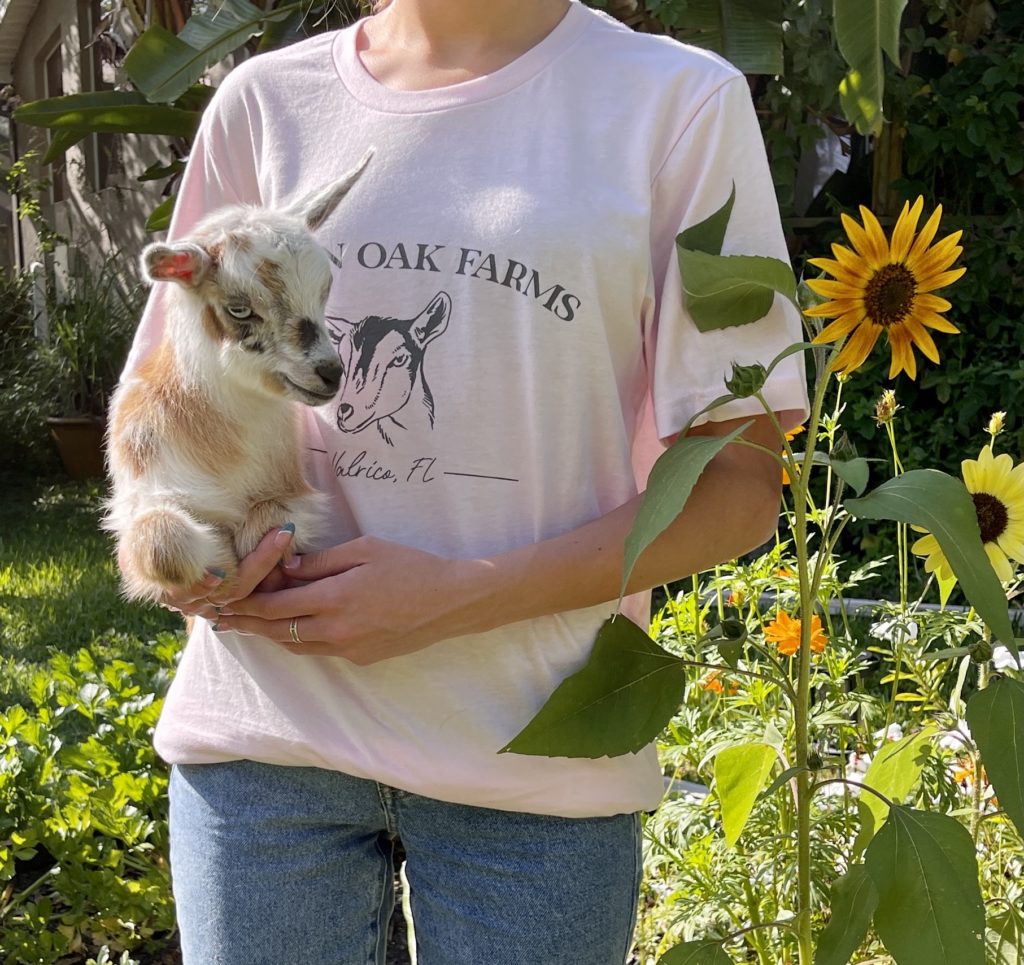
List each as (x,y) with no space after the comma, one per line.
(293,631)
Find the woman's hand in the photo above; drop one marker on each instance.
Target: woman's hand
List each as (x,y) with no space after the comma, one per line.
(364,600)
(259,569)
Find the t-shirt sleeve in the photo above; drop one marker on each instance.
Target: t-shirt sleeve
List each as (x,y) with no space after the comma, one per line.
(221,170)
(722,146)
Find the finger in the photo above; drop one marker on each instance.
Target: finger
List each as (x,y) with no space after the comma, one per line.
(276,580)
(329,562)
(301,600)
(252,569)
(304,641)
(182,598)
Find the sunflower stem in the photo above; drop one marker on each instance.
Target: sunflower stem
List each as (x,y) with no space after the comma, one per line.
(977,789)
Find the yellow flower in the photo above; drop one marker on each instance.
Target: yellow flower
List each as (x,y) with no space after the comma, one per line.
(887,287)
(997,488)
(886,407)
(790,436)
(784,632)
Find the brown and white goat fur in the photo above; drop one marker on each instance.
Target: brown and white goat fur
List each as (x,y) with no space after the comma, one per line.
(204,442)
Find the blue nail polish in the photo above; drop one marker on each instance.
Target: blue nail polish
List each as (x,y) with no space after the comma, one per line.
(290,527)
(216,571)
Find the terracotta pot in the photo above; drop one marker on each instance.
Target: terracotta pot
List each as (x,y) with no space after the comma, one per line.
(80,444)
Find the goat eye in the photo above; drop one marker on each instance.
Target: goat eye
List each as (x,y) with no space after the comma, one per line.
(240,311)
(400,359)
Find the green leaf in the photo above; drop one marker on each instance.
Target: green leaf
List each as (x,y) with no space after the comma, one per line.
(740,773)
(60,141)
(787,352)
(863,30)
(157,171)
(668,487)
(1004,938)
(854,899)
(709,234)
(160,217)
(784,778)
(163,66)
(943,506)
(930,910)
(108,112)
(995,716)
(617,704)
(894,771)
(854,471)
(748,33)
(696,953)
(722,291)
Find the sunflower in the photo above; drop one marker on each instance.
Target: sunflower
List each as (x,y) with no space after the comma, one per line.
(784,632)
(882,286)
(997,488)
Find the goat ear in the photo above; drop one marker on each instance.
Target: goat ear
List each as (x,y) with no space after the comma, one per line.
(185,263)
(433,320)
(317,207)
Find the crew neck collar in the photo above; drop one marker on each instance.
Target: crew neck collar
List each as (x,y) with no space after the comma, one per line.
(366,88)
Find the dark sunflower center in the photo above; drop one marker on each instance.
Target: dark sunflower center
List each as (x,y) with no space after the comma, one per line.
(992,516)
(889,294)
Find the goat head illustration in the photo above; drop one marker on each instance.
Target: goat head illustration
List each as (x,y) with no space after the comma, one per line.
(382,357)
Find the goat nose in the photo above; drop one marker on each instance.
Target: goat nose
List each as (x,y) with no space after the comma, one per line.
(330,372)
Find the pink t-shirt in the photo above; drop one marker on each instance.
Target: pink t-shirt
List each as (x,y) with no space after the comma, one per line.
(521,225)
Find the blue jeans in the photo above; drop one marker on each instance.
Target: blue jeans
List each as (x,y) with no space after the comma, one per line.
(293,866)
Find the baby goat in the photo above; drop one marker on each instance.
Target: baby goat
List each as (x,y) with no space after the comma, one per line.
(203,446)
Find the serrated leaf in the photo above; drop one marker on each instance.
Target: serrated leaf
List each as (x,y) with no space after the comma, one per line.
(995,716)
(108,112)
(894,771)
(943,506)
(696,953)
(709,234)
(930,910)
(863,30)
(616,704)
(668,487)
(723,291)
(854,900)
(740,773)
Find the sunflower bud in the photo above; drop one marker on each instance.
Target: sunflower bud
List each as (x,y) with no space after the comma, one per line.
(981,651)
(886,408)
(746,380)
(995,424)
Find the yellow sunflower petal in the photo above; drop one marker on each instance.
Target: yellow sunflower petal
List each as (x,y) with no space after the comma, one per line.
(832,289)
(875,233)
(839,272)
(931,303)
(936,321)
(902,353)
(932,282)
(1013,548)
(936,260)
(864,244)
(920,337)
(830,309)
(925,545)
(858,348)
(999,562)
(906,227)
(840,327)
(924,239)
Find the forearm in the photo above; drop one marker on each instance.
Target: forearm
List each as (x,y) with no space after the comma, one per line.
(727,514)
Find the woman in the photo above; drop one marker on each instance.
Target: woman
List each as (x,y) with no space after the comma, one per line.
(509,312)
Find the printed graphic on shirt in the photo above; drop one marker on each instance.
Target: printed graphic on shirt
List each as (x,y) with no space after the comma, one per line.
(383,382)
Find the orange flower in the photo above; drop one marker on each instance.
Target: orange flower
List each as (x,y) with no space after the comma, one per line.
(790,436)
(713,681)
(784,632)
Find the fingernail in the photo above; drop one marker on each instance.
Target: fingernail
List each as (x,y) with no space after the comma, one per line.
(220,625)
(284,537)
(291,562)
(215,572)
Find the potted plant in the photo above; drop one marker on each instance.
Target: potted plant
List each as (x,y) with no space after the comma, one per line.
(90,332)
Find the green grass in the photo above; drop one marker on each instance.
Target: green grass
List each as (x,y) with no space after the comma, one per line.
(58,583)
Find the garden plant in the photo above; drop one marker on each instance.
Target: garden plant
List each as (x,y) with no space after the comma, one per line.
(870,809)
